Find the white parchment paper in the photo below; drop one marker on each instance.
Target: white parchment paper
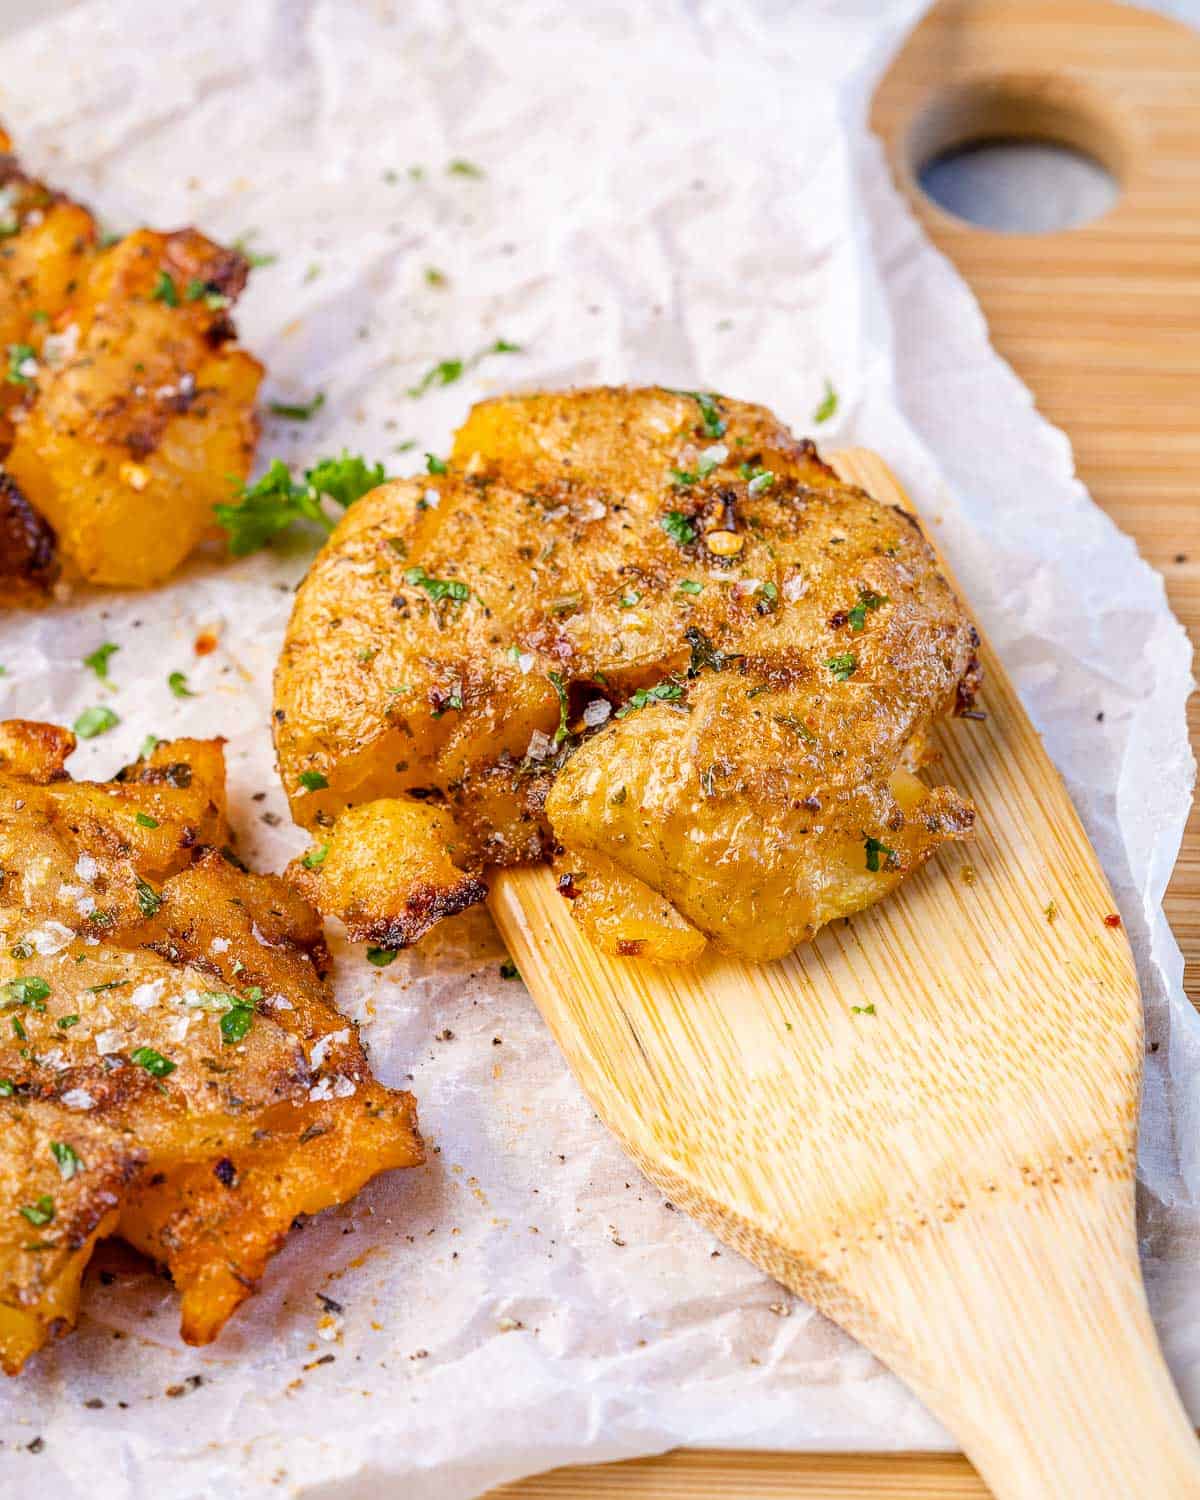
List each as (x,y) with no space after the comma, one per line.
(676,192)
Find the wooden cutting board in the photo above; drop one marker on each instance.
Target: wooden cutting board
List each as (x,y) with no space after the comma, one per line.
(1103,322)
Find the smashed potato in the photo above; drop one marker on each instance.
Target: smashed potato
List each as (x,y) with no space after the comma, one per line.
(649,630)
(171,1067)
(126,408)
(137,431)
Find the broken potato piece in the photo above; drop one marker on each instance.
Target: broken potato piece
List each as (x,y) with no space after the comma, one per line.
(172,1069)
(646,633)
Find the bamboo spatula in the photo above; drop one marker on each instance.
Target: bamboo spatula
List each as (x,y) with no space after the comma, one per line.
(950,1176)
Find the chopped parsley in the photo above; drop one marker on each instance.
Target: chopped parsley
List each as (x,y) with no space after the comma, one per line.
(681,478)
(434,464)
(165,290)
(710,416)
(690,586)
(98,660)
(630,599)
(381,957)
(563,732)
(39,1213)
(843,666)
(863,1010)
(178,683)
(208,291)
(297,411)
(704,653)
(30,989)
(461,168)
(277,501)
(874,849)
(867,600)
(661,692)
(761,480)
(315,857)
(312,781)
(437,588)
(64,1023)
(144,820)
(434,277)
(7,1088)
(253,258)
(236,1023)
(447,371)
(148,899)
(22,364)
(678,527)
(70,1163)
(93,721)
(509,970)
(154,1062)
(827,405)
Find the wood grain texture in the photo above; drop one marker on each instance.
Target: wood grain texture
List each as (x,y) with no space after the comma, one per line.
(1103,323)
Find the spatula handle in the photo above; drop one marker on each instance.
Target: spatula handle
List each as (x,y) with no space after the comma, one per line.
(1027,1332)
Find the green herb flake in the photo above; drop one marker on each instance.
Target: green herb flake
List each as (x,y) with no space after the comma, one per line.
(148,899)
(144,820)
(690,586)
(315,857)
(313,781)
(678,527)
(509,970)
(661,692)
(843,666)
(563,731)
(297,411)
(867,600)
(236,1023)
(434,277)
(64,1023)
(22,364)
(434,464)
(629,599)
(154,1062)
(39,1213)
(29,989)
(761,480)
(165,290)
(19,1029)
(874,849)
(148,746)
(710,416)
(7,1088)
(437,588)
(98,660)
(863,1010)
(447,371)
(267,507)
(381,957)
(178,683)
(827,406)
(461,168)
(70,1163)
(94,721)
(681,478)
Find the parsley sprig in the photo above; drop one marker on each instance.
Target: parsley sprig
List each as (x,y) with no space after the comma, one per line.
(277,501)
(447,371)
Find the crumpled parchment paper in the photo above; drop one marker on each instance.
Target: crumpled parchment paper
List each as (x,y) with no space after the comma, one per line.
(667,191)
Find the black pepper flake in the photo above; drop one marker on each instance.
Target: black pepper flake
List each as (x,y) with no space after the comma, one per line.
(325,1359)
(225,1172)
(329,1304)
(36,1446)
(444,1036)
(94,1403)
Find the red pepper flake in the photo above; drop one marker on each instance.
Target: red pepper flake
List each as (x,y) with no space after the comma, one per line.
(205,643)
(1112,920)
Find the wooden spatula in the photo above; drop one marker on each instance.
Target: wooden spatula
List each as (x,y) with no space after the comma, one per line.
(924,1122)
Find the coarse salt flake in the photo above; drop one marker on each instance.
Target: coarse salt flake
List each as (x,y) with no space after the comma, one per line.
(78,1099)
(50,939)
(321,1048)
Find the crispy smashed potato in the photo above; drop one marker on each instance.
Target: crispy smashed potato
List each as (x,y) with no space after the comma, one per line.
(171,1067)
(650,631)
(126,408)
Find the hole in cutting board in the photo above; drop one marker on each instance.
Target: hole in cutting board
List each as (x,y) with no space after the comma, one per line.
(1020,186)
(1023,155)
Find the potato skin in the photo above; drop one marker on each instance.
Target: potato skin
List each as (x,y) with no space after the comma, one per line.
(128,1102)
(650,627)
(127,443)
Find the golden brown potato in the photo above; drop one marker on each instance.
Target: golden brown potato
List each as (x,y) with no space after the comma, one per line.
(651,627)
(145,418)
(46,248)
(171,1067)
